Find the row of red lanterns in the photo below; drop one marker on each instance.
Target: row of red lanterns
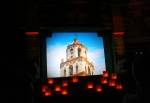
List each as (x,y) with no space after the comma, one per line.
(64,83)
(112,76)
(110,80)
(98,88)
(75,79)
(118,86)
(48,91)
(57,88)
(90,85)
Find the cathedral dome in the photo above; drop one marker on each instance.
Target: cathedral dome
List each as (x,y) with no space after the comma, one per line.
(76,41)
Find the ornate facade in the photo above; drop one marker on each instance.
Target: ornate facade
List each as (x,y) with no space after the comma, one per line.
(76,63)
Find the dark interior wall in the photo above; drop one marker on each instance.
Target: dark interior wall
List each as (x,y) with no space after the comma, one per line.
(73,13)
(30,16)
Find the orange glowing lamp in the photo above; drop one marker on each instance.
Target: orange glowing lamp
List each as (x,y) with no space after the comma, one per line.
(105,74)
(112,83)
(104,80)
(57,88)
(50,81)
(90,85)
(75,79)
(64,83)
(114,76)
(119,87)
(48,93)
(64,92)
(99,88)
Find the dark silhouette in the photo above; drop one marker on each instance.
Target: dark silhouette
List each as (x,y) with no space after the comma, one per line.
(140,73)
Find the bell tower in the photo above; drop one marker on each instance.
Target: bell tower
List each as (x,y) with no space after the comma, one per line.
(76,61)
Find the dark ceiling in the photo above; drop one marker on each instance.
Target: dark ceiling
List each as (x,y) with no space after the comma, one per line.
(32,15)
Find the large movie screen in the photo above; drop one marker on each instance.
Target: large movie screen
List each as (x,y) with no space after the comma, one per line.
(74,54)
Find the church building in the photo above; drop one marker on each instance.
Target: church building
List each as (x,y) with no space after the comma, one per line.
(77,63)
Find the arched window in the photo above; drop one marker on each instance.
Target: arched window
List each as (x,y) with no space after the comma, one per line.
(64,72)
(71,70)
(85,53)
(89,72)
(76,68)
(71,51)
(85,69)
(79,52)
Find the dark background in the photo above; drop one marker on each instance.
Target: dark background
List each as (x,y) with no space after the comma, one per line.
(32,15)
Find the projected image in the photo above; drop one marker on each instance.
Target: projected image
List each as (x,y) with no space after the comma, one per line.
(75,54)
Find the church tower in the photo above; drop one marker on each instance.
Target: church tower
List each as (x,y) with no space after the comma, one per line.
(76,63)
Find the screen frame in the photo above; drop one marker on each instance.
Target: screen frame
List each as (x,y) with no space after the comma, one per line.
(107,40)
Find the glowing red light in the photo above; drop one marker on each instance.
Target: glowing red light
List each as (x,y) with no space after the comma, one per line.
(118,33)
(112,83)
(44,88)
(119,87)
(32,33)
(114,76)
(74,79)
(99,88)
(57,88)
(105,74)
(48,93)
(104,80)
(64,92)
(90,85)
(64,83)
(50,81)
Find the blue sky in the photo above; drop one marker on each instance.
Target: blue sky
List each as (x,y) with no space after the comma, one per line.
(56,50)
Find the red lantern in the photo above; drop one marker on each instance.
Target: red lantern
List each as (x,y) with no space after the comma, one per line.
(90,85)
(74,79)
(57,88)
(50,81)
(48,93)
(114,76)
(44,88)
(104,80)
(64,83)
(105,74)
(32,33)
(98,88)
(118,33)
(64,92)
(112,83)
(119,87)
